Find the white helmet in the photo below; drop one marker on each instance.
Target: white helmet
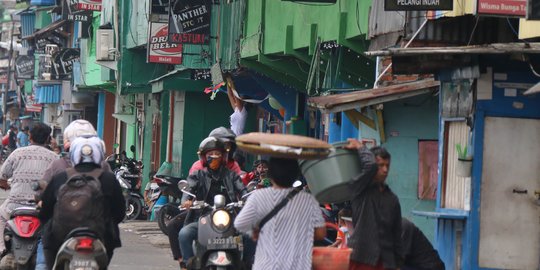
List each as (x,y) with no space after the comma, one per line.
(87,150)
(78,128)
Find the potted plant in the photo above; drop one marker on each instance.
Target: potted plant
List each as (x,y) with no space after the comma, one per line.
(464,164)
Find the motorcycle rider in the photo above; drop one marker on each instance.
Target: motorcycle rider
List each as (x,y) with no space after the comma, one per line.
(114,200)
(259,174)
(77,128)
(228,137)
(25,166)
(214,179)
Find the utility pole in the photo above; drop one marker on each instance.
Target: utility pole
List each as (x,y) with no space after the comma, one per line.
(8,85)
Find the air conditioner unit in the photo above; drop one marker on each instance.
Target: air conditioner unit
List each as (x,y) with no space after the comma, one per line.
(105,45)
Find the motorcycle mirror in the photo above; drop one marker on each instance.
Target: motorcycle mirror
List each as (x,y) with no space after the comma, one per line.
(297,183)
(183,185)
(132,148)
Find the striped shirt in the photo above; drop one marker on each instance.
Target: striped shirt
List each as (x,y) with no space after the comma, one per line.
(286,240)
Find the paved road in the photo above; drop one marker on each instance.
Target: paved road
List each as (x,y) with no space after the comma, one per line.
(144,247)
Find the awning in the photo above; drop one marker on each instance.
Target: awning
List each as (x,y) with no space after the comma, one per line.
(496,48)
(362,98)
(46,29)
(49,93)
(179,80)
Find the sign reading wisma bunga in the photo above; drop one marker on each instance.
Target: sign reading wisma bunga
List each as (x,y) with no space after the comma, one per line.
(503,7)
(402,5)
(189,21)
(159,49)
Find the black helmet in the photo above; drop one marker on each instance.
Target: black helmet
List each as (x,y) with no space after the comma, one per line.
(227,136)
(211,143)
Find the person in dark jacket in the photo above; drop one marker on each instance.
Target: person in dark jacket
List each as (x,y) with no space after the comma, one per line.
(114,202)
(418,252)
(376,241)
(214,179)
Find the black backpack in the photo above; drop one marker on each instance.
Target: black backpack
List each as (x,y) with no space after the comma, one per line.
(79,203)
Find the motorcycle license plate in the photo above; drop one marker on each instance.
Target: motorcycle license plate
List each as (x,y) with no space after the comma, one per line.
(82,264)
(230,242)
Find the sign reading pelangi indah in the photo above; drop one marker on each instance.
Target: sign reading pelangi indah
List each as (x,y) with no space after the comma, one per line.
(189,21)
(516,8)
(24,67)
(400,5)
(159,49)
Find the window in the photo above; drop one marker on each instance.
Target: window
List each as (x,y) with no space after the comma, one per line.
(428,156)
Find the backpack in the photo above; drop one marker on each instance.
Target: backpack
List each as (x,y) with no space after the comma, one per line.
(79,203)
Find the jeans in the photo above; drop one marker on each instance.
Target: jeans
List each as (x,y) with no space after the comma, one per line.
(173,228)
(40,257)
(186,236)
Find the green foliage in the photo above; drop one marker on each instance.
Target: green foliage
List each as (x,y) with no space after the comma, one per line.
(462,151)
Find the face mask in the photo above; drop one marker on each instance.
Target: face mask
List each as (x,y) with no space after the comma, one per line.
(213,163)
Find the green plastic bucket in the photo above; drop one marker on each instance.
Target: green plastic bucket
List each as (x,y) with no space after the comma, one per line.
(329,178)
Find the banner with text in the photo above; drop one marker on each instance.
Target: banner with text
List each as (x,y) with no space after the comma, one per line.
(159,49)
(516,8)
(24,67)
(401,5)
(189,21)
(94,5)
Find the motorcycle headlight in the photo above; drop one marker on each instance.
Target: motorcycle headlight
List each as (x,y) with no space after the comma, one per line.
(221,219)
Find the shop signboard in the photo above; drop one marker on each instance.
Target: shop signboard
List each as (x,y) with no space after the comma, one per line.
(94,5)
(189,21)
(159,50)
(517,8)
(24,67)
(62,62)
(404,5)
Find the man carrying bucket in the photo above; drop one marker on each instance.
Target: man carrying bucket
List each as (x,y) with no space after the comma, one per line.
(376,240)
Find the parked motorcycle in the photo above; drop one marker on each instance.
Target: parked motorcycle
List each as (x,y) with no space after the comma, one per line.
(128,174)
(168,186)
(82,249)
(21,236)
(218,245)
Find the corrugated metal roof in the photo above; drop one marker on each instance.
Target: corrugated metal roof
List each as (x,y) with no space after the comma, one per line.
(496,48)
(384,22)
(48,93)
(347,101)
(28,20)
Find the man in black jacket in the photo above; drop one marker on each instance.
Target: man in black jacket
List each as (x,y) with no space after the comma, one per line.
(114,203)
(214,179)
(376,240)
(418,252)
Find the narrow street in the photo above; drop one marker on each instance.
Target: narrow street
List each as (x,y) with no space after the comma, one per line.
(144,247)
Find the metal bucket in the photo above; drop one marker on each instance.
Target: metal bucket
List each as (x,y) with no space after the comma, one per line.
(329,178)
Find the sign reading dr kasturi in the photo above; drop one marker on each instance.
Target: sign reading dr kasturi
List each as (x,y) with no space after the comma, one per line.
(402,5)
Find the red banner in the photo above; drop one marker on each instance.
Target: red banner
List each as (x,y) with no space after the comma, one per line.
(503,7)
(159,48)
(89,5)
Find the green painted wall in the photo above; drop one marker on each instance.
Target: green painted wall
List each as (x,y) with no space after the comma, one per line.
(92,72)
(273,17)
(201,116)
(414,119)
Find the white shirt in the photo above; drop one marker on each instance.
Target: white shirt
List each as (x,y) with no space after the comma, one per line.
(286,240)
(238,120)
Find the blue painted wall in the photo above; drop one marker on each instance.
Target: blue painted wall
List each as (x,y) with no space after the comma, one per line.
(406,122)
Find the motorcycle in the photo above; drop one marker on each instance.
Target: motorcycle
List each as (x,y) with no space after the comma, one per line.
(21,236)
(218,245)
(82,249)
(168,186)
(128,174)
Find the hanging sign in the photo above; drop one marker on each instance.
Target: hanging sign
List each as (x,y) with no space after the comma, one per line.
(189,21)
(159,10)
(159,49)
(52,37)
(403,5)
(62,62)
(516,8)
(70,12)
(24,67)
(32,105)
(94,5)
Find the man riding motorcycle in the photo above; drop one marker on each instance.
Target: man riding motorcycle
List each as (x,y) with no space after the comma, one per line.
(214,179)
(25,166)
